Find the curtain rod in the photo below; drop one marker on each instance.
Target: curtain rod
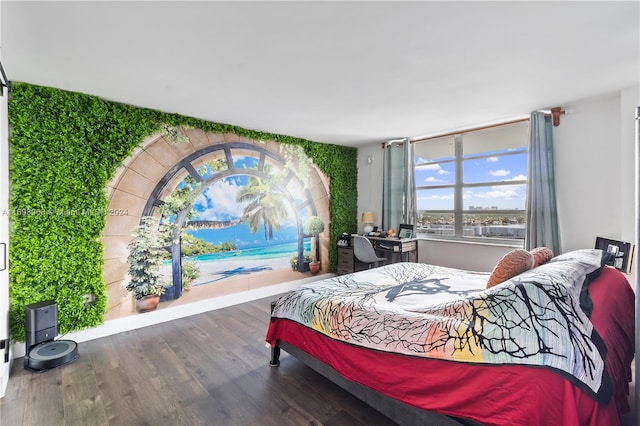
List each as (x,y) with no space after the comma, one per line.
(556,112)
(473,129)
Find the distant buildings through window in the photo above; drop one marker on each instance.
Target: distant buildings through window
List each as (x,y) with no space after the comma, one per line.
(473,184)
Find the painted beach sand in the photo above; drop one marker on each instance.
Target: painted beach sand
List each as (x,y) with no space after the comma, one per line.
(240,270)
(234,272)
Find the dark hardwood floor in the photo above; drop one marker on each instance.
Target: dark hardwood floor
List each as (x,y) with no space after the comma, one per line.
(207,369)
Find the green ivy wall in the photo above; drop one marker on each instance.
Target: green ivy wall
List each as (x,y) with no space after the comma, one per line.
(64,148)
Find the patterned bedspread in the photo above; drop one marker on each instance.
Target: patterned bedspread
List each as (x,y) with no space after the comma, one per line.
(430,311)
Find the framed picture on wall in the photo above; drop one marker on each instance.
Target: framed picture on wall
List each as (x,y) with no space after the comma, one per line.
(622,252)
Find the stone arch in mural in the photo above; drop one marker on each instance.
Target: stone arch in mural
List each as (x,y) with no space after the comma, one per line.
(157,167)
(227,154)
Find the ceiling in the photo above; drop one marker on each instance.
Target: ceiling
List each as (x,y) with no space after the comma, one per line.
(349,73)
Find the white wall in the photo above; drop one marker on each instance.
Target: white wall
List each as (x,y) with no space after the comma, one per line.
(595,170)
(629,101)
(370,182)
(4,238)
(595,173)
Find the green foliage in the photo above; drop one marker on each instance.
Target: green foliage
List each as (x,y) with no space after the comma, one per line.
(65,147)
(172,134)
(294,260)
(190,271)
(192,246)
(265,204)
(145,258)
(313,225)
(178,201)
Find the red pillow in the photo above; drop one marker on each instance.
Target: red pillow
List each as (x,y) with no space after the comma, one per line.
(541,255)
(513,263)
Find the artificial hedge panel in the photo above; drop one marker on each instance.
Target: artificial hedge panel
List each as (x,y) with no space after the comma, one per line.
(64,148)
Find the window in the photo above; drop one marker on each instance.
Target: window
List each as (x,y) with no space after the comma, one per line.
(473,184)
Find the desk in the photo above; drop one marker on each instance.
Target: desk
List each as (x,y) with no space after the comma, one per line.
(394,249)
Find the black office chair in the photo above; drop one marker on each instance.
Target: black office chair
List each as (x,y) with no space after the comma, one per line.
(364,252)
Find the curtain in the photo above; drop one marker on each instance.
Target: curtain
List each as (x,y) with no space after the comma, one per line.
(392,189)
(542,212)
(399,188)
(410,210)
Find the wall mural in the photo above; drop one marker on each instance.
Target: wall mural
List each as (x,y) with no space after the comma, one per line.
(83,170)
(234,214)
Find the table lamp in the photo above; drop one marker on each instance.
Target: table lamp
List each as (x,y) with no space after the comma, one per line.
(368,220)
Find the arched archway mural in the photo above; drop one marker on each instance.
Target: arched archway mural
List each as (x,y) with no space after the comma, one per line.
(243,200)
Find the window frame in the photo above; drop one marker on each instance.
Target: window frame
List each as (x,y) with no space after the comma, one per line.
(459,187)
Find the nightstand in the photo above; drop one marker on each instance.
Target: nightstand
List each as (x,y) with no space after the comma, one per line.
(345,260)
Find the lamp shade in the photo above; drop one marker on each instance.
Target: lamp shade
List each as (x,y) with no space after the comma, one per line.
(368,217)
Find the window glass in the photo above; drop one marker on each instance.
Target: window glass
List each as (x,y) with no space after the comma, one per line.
(488,225)
(430,174)
(490,195)
(496,168)
(496,197)
(437,224)
(435,199)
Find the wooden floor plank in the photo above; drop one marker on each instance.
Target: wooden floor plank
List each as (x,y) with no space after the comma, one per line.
(44,390)
(207,369)
(81,399)
(185,386)
(152,389)
(14,403)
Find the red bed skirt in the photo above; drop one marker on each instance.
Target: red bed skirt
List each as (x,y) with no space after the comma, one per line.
(490,394)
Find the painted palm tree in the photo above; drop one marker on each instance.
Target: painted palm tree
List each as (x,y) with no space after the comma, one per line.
(266,204)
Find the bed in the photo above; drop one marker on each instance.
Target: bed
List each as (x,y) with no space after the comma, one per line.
(426,344)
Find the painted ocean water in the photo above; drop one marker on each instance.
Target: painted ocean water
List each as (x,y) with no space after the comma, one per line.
(263,253)
(250,246)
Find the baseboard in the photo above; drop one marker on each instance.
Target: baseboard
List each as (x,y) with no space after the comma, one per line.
(146,319)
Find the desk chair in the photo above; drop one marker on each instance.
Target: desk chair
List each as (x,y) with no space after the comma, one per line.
(364,252)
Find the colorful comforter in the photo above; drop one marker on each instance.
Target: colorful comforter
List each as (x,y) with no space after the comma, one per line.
(429,311)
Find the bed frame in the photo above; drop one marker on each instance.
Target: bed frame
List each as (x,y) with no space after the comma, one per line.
(399,412)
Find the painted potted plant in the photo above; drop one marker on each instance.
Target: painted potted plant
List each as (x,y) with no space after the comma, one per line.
(306,259)
(314,226)
(190,271)
(145,257)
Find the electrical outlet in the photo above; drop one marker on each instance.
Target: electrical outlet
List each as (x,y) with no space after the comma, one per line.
(89,298)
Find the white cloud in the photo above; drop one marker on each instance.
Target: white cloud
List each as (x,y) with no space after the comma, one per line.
(432,179)
(219,201)
(440,197)
(431,167)
(434,168)
(500,172)
(493,160)
(519,177)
